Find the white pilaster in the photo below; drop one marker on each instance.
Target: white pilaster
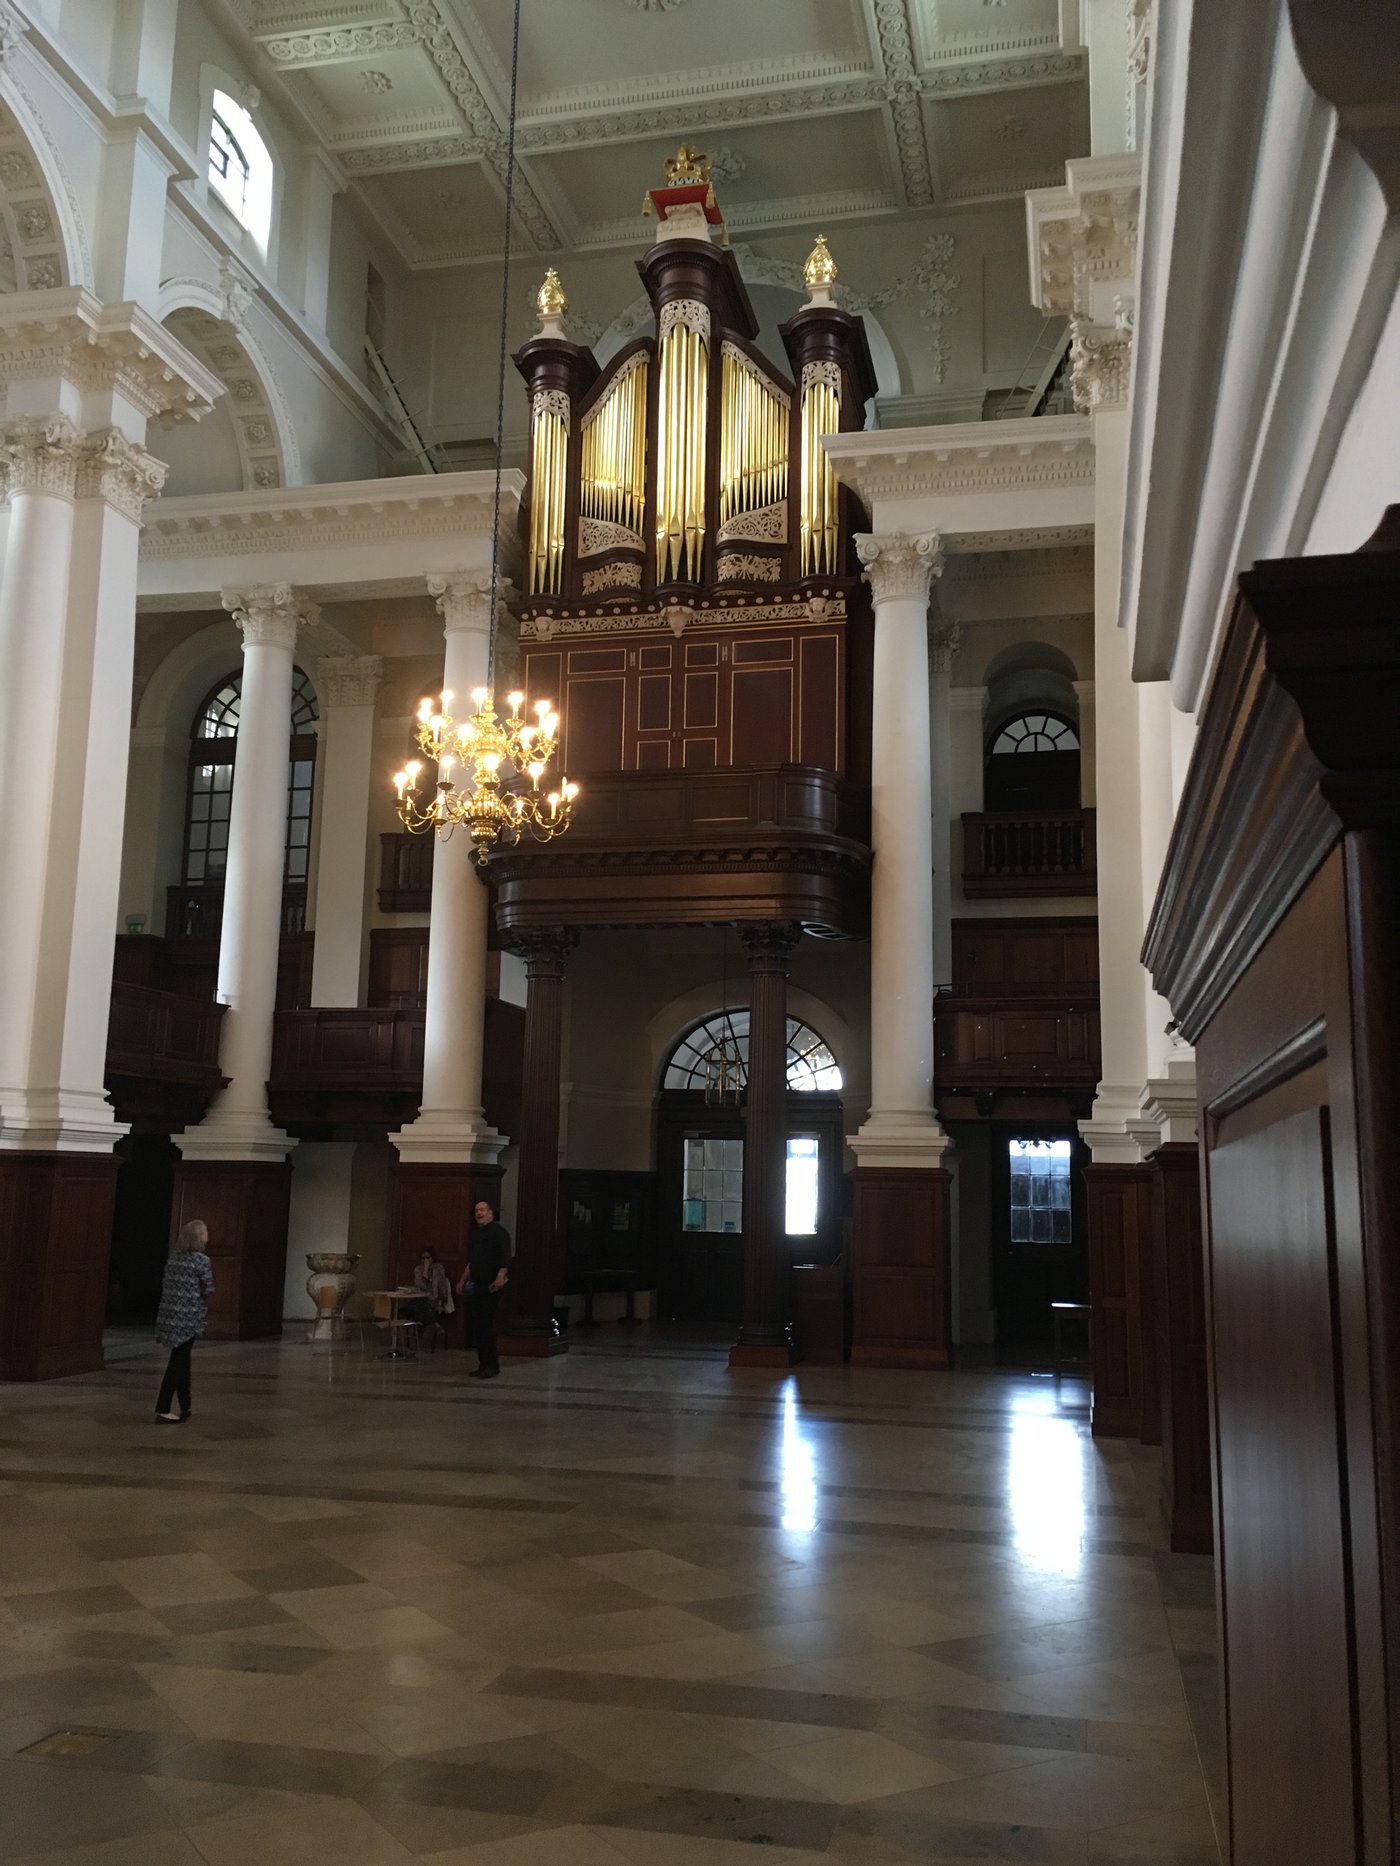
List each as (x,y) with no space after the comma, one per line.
(238,1126)
(901,1129)
(347,687)
(451,1125)
(943,648)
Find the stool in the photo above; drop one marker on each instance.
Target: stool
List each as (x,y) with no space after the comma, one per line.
(1058,1312)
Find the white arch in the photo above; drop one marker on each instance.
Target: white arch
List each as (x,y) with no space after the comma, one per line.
(262,421)
(62,256)
(668,1025)
(181,680)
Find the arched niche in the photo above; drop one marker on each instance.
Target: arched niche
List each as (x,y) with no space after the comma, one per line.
(37,237)
(1030,730)
(246,443)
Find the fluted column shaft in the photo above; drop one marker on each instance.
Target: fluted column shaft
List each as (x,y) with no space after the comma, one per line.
(765,1339)
(451,1124)
(529,1326)
(238,1126)
(900,571)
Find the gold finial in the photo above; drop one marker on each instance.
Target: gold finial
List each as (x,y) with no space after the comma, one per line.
(550,301)
(820,268)
(688,164)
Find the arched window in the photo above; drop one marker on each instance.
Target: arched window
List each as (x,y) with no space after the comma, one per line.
(212,754)
(1032,764)
(240,167)
(724,1038)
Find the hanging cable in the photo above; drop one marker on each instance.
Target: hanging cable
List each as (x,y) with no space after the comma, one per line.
(504,345)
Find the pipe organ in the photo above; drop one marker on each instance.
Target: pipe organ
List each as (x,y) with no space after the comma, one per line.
(680,489)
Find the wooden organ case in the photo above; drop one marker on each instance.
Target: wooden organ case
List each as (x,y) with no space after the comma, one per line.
(690,594)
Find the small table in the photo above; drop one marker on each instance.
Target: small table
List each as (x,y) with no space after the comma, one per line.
(387,1303)
(1058,1312)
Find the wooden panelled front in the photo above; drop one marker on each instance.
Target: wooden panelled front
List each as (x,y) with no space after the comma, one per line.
(1179,1306)
(431,1208)
(1017,1044)
(900,1272)
(245,1205)
(1274,938)
(712,697)
(1120,1244)
(1027,958)
(55,1229)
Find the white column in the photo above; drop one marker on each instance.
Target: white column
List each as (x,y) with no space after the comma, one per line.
(347,687)
(451,1124)
(238,1126)
(901,1129)
(943,647)
(42,771)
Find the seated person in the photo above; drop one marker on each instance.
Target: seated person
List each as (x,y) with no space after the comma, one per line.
(436,1300)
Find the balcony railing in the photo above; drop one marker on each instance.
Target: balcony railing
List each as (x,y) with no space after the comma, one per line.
(159,1033)
(1016,853)
(197,912)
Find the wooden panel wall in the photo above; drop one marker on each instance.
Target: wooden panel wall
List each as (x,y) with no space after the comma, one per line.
(1179,1306)
(55,1232)
(1120,1244)
(431,1207)
(709,698)
(245,1205)
(1027,957)
(900,1246)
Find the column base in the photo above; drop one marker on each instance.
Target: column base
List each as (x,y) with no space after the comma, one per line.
(55,1236)
(67,1122)
(757,1347)
(908,1139)
(248,1138)
(530,1345)
(900,1246)
(246,1205)
(449,1139)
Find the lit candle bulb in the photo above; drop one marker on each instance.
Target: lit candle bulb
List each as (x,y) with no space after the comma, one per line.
(571,791)
(413,768)
(480,695)
(444,767)
(425,710)
(491,761)
(551,724)
(542,707)
(447,699)
(400,779)
(536,771)
(514,700)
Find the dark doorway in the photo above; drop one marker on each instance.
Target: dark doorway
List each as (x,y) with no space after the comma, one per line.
(700,1178)
(1032,764)
(1039,1236)
(140,1226)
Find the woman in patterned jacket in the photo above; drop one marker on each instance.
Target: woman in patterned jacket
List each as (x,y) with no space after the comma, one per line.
(183,1315)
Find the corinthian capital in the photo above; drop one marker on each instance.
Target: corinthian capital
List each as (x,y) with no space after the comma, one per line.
(269,617)
(463,599)
(348,679)
(40,453)
(1099,361)
(113,468)
(900,567)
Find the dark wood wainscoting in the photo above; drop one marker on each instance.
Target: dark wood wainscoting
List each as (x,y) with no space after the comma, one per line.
(55,1227)
(901,1269)
(430,1208)
(245,1205)
(1120,1299)
(1274,939)
(1179,1308)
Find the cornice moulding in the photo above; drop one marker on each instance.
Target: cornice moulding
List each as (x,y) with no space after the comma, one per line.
(1083,232)
(1045,450)
(67,332)
(215,524)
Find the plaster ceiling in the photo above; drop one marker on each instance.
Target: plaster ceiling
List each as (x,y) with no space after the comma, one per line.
(820,110)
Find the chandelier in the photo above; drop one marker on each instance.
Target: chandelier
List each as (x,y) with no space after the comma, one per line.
(497,758)
(496,795)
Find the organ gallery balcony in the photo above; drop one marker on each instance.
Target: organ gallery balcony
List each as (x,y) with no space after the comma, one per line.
(1028,854)
(162,1055)
(678,848)
(988,1049)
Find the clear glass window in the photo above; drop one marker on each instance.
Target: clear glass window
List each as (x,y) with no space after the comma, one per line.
(240,167)
(1036,732)
(210,795)
(810,1064)
(1040,1192)
(712,1189)
(803,1162)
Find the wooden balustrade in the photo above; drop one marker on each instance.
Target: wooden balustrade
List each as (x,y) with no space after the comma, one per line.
(196,912)
(162,1056)
(1029,853)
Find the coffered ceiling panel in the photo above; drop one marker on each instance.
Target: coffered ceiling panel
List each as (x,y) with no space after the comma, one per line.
(606,47)
(816,109)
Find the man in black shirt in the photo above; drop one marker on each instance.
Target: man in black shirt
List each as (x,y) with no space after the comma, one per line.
(484,1278)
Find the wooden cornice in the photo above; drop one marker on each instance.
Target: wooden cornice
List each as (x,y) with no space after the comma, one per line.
(1296,747)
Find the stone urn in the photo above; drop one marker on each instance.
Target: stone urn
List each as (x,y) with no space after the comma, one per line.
(333,1272)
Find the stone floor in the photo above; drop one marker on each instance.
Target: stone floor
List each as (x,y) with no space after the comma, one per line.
(623,1608)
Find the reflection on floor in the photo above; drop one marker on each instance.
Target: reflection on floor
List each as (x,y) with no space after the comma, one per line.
(613,1608)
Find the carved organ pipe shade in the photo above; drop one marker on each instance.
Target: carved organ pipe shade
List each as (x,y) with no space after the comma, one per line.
(613,447)
(680,454)
(821,414)
(549,459)
(753,440)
